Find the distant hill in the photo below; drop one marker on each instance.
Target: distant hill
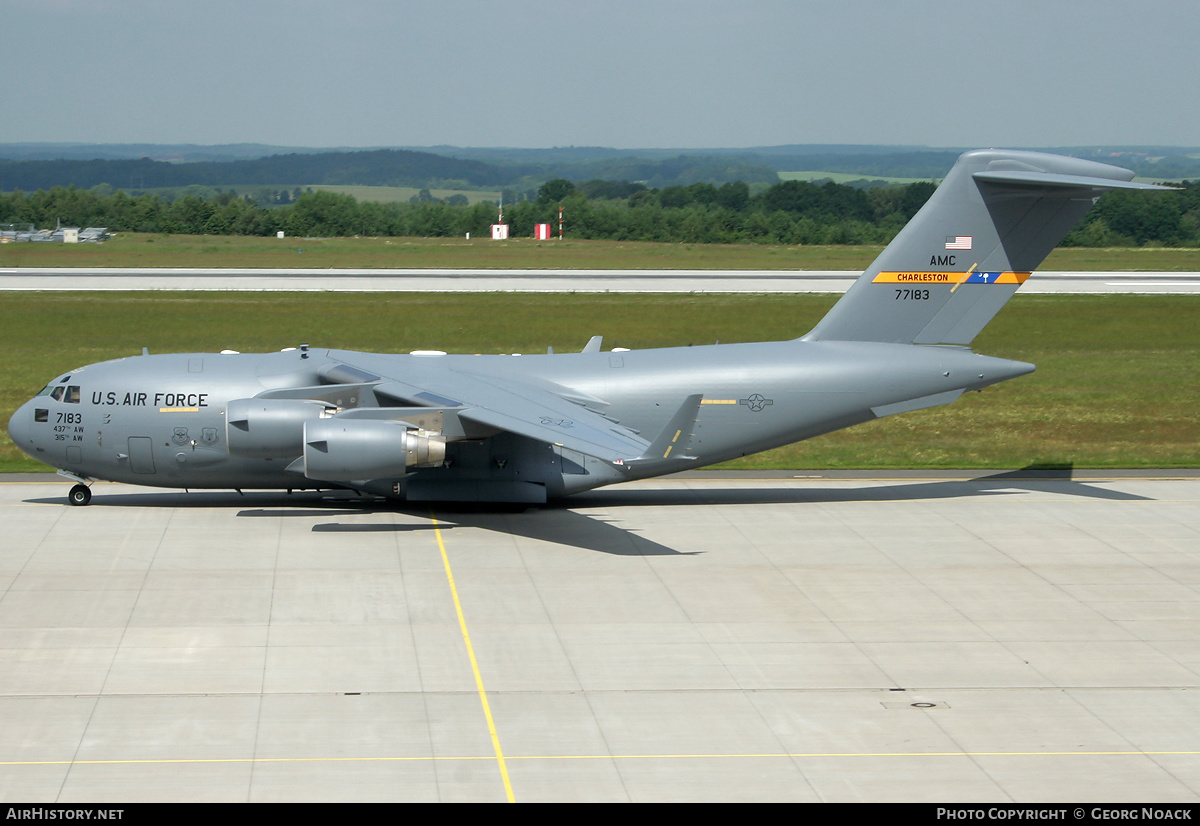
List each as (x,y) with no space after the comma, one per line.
(520,169)
(171,152)
(583,163)
(381,167)
(145,166)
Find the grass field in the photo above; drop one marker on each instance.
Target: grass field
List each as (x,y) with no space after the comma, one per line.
(1118,381)
(845,177)
(135,250)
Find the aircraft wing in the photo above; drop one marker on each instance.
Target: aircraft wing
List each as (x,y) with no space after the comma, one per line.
(522,408)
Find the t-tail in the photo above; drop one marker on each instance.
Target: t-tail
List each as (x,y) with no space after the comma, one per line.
(991,222)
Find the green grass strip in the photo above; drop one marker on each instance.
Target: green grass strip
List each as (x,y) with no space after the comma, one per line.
(1118,380)
(139,250)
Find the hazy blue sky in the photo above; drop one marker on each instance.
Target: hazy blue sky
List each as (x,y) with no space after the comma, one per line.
(621,73)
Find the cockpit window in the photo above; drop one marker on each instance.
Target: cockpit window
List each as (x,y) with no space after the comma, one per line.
(67,395)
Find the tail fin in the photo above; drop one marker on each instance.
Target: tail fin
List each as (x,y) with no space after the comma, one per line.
(990,223)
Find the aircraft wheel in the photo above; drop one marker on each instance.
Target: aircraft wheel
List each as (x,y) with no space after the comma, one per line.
(80,495)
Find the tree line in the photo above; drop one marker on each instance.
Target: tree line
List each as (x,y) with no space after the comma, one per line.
(792,212)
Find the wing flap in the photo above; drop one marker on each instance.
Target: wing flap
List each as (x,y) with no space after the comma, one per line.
(574,433)
(523,409)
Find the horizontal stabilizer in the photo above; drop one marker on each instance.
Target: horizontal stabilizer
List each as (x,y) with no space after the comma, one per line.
(1049,179)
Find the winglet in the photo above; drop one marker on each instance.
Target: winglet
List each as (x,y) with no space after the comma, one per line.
(674,439)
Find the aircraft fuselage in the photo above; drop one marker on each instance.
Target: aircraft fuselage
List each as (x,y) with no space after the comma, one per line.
(162,420)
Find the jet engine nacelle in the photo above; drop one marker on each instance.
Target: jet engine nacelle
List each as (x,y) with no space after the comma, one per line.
(345,450)
(269,428)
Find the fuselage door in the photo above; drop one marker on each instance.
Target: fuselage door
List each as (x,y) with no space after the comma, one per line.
(141,454)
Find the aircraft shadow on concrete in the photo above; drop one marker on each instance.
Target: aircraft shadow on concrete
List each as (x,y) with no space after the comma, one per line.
(561,522)
(1037,479)
(561,526)
(557,525)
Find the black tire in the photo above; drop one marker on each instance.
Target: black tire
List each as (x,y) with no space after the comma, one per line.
(80,495)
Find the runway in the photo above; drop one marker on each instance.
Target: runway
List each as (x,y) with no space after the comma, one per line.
(728,637)
(586,281)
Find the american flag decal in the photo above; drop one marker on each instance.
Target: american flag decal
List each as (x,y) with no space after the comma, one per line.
(958,242)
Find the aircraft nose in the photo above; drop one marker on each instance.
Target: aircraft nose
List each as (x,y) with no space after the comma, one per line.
(20,427)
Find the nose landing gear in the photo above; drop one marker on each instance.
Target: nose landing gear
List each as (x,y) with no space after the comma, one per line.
(80,495)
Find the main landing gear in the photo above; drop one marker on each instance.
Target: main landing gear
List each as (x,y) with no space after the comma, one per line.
(80,495)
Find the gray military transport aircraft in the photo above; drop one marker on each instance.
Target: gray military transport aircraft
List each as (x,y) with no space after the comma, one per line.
(428,426)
